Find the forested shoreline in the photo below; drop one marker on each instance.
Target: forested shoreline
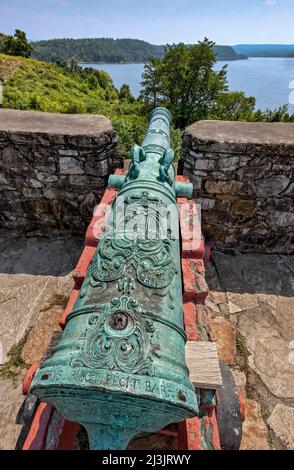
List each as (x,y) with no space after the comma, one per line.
(108,50)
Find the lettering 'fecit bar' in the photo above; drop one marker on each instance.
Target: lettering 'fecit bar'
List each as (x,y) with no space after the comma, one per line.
(119,369)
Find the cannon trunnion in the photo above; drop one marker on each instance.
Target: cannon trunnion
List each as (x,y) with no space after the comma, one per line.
(119,369)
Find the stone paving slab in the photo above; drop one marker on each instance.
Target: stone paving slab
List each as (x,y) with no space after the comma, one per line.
(41,333)
(32,271)
(254,293)
(281,422)
(11,398)
(268,353)
(34,274)
(254,429)
(20,305)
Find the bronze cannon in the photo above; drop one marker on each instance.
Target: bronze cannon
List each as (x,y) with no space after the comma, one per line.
(119,369)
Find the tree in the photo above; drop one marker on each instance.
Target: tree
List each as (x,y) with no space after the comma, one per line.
(234,106)
(125,94)
(280,114)
(92,81)
(16,45)
(151,85)
(185,81)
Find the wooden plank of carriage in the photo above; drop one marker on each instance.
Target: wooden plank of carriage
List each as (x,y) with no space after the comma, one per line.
(203,364)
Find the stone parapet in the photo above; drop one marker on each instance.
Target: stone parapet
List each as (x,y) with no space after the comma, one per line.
(53,169)
(242,176)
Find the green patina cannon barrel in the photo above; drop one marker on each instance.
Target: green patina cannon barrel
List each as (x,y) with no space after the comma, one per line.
(120,369)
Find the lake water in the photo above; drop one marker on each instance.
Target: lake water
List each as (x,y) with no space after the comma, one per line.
(267,79)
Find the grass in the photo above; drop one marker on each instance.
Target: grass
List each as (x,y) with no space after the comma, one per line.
(8,66)
(15,360)
(264,412)
(59,300)
(242,362)
(240,344)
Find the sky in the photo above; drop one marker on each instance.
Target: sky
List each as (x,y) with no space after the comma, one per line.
(156,21)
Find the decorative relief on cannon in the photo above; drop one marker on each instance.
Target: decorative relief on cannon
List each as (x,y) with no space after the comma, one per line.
(121,337)
(137,156)
(149,262)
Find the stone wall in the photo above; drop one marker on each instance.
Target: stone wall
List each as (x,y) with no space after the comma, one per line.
(53,170)
(242,175)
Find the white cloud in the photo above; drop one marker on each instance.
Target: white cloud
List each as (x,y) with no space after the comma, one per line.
(270,2)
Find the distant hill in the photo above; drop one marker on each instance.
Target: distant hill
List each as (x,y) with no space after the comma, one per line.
(96,50)
(109,50)
(265,50)
(228,53)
